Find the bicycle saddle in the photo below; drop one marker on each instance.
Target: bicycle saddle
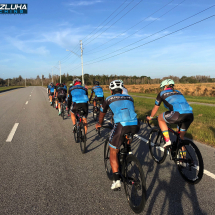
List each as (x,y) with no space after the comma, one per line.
(81,112)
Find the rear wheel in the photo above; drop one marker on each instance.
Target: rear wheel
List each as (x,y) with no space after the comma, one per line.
(190,162)
(156,142)
(134,184)
(82,139)
(95,113)
(62,110)
(108,168)
(76,135)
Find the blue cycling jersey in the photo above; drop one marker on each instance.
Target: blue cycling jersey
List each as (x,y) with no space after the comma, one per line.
(78,94)
(98,91)
(52,89)
(173,101)
(65,87)
(122,107)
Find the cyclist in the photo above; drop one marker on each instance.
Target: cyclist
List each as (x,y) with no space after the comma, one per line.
(125,121)
(48,86)
(52,90)
(56,103)
(78,98)
(124,91)
(179,110)
(61,96)
(99,94)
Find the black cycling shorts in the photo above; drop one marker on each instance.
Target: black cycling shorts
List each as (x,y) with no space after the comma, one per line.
(61,97)
(51,94)
(173,117)
(117,133)
(76,106)
(99,99)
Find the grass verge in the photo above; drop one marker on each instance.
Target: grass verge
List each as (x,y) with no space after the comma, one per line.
(9,88)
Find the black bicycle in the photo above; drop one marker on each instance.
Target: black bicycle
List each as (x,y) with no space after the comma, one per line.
(96,110)
(53,101)
(131,172)
(79,132)
(184,153)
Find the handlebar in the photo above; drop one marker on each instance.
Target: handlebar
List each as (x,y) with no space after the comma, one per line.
(109,126)
(153,119)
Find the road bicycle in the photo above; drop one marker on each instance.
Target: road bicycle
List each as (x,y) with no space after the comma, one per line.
(79,131)
(184,153)
(131,172)
(63,108)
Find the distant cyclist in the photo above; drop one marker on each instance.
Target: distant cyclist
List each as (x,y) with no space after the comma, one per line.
(125,120)
(178,110)
(48,87)
(99,94)
(61,96)
(52,89)
(78,98)
(56,102)
(124,90)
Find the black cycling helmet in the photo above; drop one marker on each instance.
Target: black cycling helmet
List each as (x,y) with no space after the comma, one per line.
(61,85)
(96,83)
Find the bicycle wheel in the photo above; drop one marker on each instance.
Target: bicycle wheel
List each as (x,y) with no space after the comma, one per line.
(134,184)
(156,142)
(190,165)
(62,111)
(95,113)
(82,139)
(108,168)
(76,132)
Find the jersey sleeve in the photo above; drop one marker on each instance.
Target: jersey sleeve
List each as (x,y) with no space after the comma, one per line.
(104,106)
(158,100)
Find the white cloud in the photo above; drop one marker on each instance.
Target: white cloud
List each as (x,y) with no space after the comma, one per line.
(85,3)
(22,46)
(152,19)
(75,12)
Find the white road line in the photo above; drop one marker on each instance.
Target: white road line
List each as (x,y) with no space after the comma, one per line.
(26,103)
(30,95)
(10,136)
(206,172)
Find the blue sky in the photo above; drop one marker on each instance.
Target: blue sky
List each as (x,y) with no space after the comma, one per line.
(32,44)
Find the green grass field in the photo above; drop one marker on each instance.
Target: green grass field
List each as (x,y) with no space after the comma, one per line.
(9,88)
(202,129)
(201,99)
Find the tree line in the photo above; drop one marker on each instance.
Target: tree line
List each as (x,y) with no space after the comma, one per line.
(103,79)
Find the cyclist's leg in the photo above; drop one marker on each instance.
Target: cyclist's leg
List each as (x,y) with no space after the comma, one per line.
(73,112)
(94,102)
(114,145)
(164,118)
(85,108)
(85,124)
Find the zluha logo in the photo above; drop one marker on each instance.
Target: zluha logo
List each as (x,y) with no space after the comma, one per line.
(13,8)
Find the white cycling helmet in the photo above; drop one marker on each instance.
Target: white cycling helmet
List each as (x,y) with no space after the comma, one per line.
(167,82)
(121,80)
(116,84)
(71,84)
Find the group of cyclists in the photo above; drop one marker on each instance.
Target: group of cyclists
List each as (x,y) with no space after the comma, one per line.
(125,118)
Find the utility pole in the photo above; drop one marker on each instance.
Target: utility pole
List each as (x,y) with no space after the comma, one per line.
(82,63)
(52,74)
(60,71)
(8,82)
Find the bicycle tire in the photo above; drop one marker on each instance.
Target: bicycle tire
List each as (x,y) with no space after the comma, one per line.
(134,183)
(94,113)
(62,111)
(82,137)
(193,162)
(76,135)
(108,168)
(155,142)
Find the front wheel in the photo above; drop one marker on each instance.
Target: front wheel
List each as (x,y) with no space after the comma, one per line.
(190,162)
(108,168)
(156,142)
(82,139)
(134,184)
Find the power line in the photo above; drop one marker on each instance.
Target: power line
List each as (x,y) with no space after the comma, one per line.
(155,33)
(134,26)
(153,40)
(105,20)
(114,22)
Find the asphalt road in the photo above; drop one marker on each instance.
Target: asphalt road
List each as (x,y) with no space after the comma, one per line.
(42,170)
